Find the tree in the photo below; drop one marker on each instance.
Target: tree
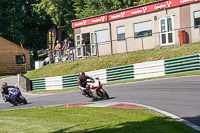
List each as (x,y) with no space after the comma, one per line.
(11,23)
(146,1)
(61,13)
(86,8)
(21,24)
(36,27)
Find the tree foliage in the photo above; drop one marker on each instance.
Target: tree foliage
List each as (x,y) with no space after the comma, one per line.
(21,24)
(86,8)
(146,1)
(61,13)
(10,18)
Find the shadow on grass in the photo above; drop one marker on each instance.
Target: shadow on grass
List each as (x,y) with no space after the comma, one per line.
(64,130)
(153,125)
(194,120)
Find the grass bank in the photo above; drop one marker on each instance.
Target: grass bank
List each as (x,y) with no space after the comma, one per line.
(6,76)
(82,119)
(90,64)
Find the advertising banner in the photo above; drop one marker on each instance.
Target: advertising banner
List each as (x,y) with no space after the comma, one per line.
(51,38)
(90,21)
(132,12)
(149,8)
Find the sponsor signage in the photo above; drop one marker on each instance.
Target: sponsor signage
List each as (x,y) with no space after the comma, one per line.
(128,13)
(90,21)
(51,38)
(132,12)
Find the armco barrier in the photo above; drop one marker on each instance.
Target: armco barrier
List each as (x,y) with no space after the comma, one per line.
(101,74)
(120,73)
(70,81)
(149,69)
(53,83)
(182,64)
(38,84)
(133,71)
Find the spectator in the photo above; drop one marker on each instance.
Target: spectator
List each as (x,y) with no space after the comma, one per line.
(68,46)
(46,61)
(58,50)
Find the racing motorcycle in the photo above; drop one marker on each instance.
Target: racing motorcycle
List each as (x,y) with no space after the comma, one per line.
(96,90)
(16,97)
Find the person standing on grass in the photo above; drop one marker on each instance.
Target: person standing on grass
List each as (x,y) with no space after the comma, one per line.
(67,46)
(58,49)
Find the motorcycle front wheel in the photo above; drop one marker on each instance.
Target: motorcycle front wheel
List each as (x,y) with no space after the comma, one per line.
(104,94)
(22,100)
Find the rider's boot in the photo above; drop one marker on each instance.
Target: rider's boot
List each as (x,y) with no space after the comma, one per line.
(85,93)
(88,93)
(14,102)
(5,97)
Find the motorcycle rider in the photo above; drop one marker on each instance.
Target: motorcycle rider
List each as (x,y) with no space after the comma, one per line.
(82,82)
(4,91)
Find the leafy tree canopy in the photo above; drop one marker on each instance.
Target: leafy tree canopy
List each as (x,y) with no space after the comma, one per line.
(21,24)
(61,13)
(86,8)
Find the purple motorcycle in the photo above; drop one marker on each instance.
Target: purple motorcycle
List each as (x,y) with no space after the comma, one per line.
(15,97)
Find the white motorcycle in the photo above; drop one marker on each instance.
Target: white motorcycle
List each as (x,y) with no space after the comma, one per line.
(96,90)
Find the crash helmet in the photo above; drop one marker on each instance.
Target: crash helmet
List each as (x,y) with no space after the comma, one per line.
(4,85)
(82,76)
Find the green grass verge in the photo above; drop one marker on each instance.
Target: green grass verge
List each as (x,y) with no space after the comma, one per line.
(6,76)
(83,119)
(90,64)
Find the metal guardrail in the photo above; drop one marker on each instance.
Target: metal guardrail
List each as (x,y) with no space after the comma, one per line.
(54,83)
(149,69)
(120,73)
(101,74)
(70,81)
(38,84)
(182,64)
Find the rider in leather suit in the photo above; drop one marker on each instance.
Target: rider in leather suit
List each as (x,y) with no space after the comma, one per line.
(4,91)
(82,82)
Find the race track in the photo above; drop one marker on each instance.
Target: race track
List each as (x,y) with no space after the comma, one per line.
(179,96)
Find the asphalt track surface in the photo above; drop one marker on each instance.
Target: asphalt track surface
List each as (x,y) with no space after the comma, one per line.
(178,96)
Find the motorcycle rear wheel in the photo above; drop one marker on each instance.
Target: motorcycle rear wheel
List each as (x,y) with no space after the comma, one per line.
(11,101)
